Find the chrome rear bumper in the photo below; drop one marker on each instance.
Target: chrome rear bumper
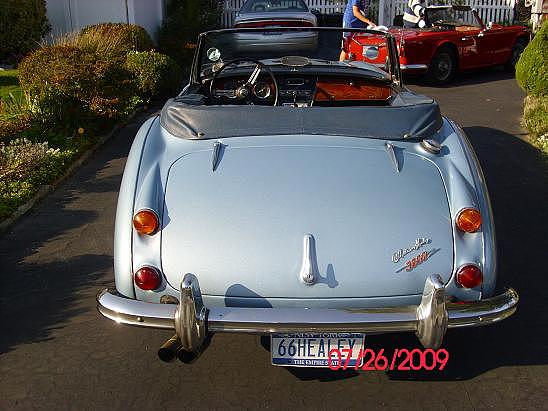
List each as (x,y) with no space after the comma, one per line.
(192,321)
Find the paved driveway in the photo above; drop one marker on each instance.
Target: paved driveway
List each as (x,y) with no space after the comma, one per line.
(56,352)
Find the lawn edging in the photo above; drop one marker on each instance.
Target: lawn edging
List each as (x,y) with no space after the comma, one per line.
(46,189)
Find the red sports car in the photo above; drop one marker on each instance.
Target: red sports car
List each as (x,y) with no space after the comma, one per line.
(453,38)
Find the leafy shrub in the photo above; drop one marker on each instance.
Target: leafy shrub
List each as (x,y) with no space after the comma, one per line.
(65,83)
(112,40)
(185,19)
(535,120)
(532,69)
(24,167)
(22,24)
(542,143)
(67,69)
(20,157)
(13,125)
(155,74)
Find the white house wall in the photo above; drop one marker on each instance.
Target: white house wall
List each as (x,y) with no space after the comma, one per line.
(147,14)
(73,15)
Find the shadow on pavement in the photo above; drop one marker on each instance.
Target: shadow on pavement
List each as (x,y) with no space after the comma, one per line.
(45,300)
(517,178)
(60,255)
(465,78)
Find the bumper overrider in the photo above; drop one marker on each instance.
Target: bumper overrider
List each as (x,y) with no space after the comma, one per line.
(192,321)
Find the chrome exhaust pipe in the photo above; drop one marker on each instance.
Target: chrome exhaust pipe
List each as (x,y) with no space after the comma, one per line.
(188,357)
(168,351)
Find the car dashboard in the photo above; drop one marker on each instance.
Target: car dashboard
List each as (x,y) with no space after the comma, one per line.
(302,90)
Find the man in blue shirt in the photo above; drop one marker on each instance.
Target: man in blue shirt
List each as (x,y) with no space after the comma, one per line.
(354,17)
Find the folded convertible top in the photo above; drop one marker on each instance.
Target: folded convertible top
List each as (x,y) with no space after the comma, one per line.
(409,115)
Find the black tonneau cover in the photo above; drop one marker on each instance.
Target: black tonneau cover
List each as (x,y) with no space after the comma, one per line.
(408,115)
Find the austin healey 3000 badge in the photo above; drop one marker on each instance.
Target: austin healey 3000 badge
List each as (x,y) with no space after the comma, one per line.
(402,252)
(417,259)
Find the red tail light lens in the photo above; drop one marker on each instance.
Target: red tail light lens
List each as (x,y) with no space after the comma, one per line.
(469,276)
(469,220)
(147,278)
(146,222)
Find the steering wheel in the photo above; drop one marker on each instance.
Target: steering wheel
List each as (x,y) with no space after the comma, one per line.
(245,91)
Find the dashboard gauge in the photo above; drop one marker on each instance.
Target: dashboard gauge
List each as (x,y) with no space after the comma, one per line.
(261,90)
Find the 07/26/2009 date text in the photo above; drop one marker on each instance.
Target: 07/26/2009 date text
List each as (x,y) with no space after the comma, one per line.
(402,359)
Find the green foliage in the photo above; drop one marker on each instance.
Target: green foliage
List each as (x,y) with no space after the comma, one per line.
(185,20)
(14,125)
(66,83)
(23,23)
(113,40)
(70,92)
(532,67)
(535,120)
(24,167)
(155,74)
(67,69)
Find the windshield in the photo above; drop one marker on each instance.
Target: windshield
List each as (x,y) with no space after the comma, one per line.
(300,49)
(261,6)
(454,16)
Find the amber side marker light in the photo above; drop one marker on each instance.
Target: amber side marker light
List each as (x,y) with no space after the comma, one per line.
(469,220)
(146,222)
(147,278)
(469,276)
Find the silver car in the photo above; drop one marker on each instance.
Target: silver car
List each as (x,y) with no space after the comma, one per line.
(276,13)
(303,198)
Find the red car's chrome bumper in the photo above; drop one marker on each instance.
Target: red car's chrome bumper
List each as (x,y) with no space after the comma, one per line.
(192,321)
(414,67)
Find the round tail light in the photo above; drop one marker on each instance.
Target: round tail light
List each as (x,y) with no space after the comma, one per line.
(469,276)
(469,220)
(146,222)
(147,278)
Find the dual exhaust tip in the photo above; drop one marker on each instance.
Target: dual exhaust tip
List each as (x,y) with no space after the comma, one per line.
(172,349)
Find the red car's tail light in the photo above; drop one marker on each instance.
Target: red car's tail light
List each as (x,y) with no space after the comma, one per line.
(469,220)
(469,276)
(146,222)
(147,278)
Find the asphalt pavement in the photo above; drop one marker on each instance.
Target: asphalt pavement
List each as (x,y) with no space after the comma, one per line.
(57,352)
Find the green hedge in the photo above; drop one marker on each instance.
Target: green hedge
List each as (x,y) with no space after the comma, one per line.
(155,74)
(535,120)
(24,167)
(71,85)
(23,23)
(100,73)
(73,91)
(532,67)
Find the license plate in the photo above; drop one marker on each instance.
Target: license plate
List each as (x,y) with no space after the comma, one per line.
(312,350)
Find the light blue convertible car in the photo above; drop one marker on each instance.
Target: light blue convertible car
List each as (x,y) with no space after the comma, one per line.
(302,197)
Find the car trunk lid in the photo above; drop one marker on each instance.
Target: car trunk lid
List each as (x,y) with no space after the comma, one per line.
(240,229)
